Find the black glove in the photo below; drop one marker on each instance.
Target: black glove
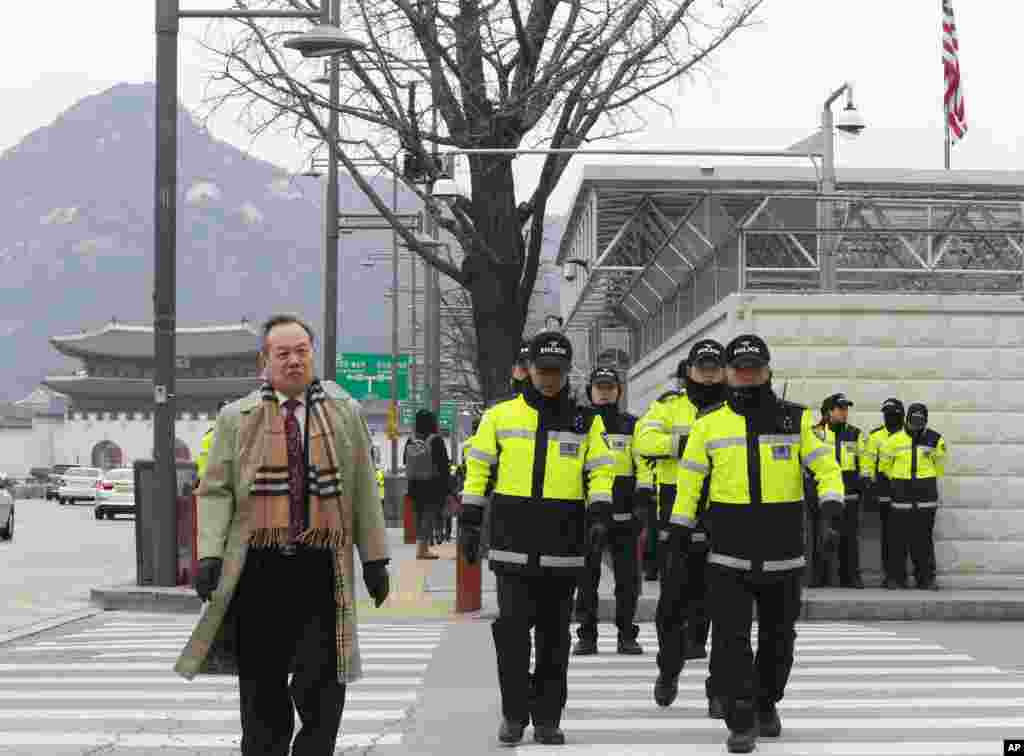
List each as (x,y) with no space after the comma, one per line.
(674,544)
(469,542)
(207,576)
(375,577)
(643,503)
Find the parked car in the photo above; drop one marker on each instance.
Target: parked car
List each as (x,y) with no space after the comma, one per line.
(56,481)
(80,484)
(116,494)
(6,509)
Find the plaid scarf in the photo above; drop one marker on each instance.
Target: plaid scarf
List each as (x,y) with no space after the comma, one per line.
(269,496)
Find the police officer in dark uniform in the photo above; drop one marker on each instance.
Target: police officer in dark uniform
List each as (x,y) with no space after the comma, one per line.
(751,449)
(618,525)
(549,462)
(880,492)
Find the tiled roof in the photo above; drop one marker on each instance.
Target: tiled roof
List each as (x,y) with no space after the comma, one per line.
(136,341)
(92,387)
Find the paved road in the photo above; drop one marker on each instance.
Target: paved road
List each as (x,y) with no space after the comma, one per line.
(105,683)
(58,554)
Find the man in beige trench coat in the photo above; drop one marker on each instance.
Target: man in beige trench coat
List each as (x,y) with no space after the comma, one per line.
(289,490)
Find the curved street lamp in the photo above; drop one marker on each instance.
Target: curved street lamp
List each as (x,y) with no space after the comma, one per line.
(324,40)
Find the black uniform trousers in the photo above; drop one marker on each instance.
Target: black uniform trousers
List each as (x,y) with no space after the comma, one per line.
(911,530)
(622,543)
(849,540)
(681,617)
(286,623)
(825,526)
(745,681)
(542,603)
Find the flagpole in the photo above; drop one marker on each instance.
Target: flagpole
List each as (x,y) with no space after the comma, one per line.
(947,141)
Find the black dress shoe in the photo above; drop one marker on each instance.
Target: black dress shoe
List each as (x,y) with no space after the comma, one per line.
(855,583)
(510,733)
(630,647)
(928,585)
(744,741)
(585,647)
(768,723)
(548,735)
(651,576)
(666,689)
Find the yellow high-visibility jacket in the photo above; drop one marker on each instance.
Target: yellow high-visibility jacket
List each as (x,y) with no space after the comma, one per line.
(876,439)
(851,455)
(632,472)
(204,452)
(666,423)
(756,506)
(913,465)
(546,467)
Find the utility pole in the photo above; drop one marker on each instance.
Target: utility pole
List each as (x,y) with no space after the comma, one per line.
(329,11)
(165,212)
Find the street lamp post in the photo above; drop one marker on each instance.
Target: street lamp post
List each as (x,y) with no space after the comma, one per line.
(850,122)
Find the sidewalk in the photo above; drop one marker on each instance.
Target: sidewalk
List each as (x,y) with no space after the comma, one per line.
(426,589)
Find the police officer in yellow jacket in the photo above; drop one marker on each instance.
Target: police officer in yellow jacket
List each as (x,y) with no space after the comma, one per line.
(681,617)
(893,417)
(620,525)
(850,450)
(913,460)
(659,436)
(549,461)
(751,449)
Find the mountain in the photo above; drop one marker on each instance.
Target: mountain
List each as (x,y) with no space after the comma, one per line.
(76,236)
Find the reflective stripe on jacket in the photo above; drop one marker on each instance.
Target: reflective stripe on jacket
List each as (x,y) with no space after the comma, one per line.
(756,492)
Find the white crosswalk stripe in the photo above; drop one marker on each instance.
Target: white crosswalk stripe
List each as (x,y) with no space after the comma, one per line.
(854,691)
(111,686)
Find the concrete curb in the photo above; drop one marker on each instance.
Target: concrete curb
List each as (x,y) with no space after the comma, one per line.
(137,598)
(41,627)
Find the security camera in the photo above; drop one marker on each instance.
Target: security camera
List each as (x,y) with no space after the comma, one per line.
(569,271)
(850,121)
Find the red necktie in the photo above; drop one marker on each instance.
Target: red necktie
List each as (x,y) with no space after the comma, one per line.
(296,472)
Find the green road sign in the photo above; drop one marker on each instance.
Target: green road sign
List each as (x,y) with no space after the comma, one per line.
(368,376)
(445,420)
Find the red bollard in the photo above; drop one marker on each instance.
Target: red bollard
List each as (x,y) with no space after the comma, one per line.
(409,520)
(467,584)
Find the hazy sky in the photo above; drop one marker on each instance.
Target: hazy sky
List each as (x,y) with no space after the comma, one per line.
(766,89)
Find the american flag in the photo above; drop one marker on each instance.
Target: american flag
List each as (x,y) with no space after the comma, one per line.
(956,116)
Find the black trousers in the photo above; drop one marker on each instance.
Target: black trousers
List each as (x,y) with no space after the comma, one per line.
(884,508)
(912,531)
(681,617)
(622,543)
(826,527)
(746,681)
(543,604)
(286,621)
(849,542)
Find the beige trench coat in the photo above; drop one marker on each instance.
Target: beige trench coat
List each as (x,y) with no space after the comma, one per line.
(236,454)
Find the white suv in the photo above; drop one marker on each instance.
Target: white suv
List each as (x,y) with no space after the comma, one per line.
(80,484)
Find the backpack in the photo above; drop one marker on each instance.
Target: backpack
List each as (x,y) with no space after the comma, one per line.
(419,459)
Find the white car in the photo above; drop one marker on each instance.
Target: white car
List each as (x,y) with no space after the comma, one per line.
(6,510)
(116,494)
(80,484)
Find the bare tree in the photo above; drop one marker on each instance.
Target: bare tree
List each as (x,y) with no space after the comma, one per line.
(465,74)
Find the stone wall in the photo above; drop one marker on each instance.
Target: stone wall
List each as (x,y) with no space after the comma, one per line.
(961,355)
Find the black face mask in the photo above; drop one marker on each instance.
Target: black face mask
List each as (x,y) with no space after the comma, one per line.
(837,427)
(609,415)
(704,394)
(746,399)
(519,386)
(916,425)
(893,421)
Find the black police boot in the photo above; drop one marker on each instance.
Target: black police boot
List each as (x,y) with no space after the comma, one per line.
(510,733)
(585,646)
(666,688)
(716,707)
(651,574)
(548,735)
(742,739)
(627,642)
(768,723)
(854,582)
